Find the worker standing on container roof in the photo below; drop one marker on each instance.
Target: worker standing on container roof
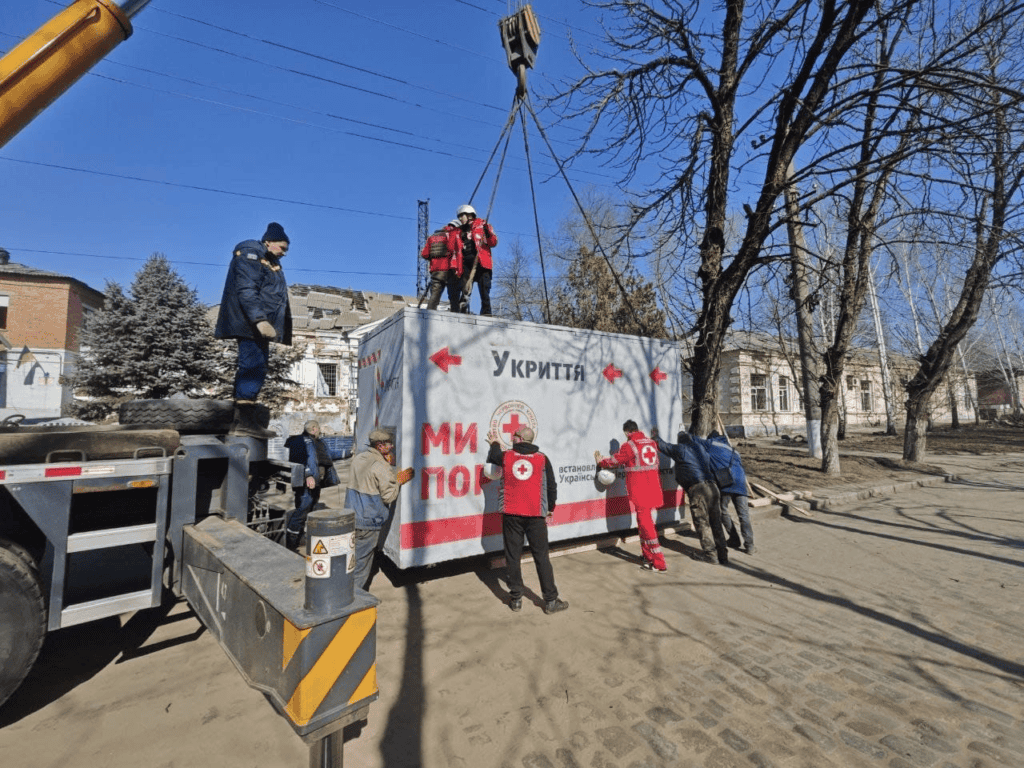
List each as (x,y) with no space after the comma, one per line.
(443,250)
(477,237)
(639,457)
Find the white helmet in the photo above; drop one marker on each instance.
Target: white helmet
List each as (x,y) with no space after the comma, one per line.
(605,477)
(492,471)
(466,209)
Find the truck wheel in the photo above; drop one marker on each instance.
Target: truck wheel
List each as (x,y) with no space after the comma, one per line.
(201,415)
(22,619)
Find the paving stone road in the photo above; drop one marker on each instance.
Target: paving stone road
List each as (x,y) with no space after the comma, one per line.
(879,632)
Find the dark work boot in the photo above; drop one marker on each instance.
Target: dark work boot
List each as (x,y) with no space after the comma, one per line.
(245,421)
(291,540)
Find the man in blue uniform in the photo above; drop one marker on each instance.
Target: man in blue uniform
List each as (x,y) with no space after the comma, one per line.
(254,310)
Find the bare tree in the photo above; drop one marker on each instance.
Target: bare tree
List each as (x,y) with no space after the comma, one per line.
(518,294)
(985,162)
(722,97)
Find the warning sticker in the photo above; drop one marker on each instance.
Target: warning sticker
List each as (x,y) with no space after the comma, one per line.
(333,546)
(318,567)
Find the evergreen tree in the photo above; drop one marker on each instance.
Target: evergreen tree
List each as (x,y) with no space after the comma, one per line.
(588,297)
(151,343)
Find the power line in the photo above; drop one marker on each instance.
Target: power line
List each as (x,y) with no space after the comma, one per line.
(214,190)
(328,59)
(199,188)
(218,264)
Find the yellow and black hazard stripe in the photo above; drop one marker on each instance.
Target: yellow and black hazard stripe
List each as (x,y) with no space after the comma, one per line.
(335,665)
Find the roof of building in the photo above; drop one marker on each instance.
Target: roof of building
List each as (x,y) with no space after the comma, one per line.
(13,269)
(325,308)
(322,307)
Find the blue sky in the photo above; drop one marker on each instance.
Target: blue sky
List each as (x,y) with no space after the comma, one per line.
(329,116)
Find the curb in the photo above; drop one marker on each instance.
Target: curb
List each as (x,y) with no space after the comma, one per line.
(828,499)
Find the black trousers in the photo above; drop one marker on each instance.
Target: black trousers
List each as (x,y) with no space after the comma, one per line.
(535,529)
(482,277)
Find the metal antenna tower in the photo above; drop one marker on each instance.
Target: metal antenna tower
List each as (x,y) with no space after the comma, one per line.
(423,232)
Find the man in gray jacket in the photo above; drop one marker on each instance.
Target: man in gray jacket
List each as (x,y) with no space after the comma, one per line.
(372,491)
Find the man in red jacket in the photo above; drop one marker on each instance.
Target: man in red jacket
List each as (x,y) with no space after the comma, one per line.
(526,502)
(639,456)
(443,250)
(477,238)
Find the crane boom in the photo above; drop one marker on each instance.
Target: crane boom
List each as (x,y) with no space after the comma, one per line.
(49,61)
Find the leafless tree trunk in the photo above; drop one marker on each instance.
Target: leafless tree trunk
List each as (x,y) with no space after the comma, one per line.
(799,287)
(883,356)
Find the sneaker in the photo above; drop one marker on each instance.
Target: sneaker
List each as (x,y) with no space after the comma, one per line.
(516,604)
(556,605)
(751,549)
(649,566)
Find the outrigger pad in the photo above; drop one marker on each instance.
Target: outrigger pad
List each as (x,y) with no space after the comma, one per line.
(28,445)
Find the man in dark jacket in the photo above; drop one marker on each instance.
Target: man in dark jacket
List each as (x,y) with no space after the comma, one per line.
(311,452)
(724,457)
(254,310)
(693,472)
(527,501)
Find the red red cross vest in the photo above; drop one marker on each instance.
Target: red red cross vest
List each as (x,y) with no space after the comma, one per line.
(523,492)
(643,483)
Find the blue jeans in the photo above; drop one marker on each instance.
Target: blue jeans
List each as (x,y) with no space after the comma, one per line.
(253,355)
(742,512)
(305,500)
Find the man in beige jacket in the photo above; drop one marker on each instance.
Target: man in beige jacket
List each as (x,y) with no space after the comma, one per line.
(372,490)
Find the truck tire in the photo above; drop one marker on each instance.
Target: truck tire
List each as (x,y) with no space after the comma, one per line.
(203,415)
(22,618)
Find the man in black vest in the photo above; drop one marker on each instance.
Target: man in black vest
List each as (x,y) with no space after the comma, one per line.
(526,502)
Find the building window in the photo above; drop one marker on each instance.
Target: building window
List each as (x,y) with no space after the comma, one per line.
(865,395)
(4,302)
(851,383)
(783,393)
(329,374)
(758,392)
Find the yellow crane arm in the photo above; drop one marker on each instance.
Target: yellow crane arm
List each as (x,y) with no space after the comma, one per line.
(50,60)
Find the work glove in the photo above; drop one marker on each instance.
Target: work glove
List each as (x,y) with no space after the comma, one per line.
(405,475)
(266,330)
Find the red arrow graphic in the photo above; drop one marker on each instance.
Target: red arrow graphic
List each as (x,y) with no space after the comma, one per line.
(443,359)
(611,373)
(658,375)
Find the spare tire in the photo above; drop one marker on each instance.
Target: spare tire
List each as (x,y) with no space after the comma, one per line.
(199,415)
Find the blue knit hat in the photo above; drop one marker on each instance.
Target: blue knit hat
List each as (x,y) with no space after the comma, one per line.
(275,234)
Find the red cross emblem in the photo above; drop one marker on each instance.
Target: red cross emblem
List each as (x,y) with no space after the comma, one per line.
(649,455)
(522,469)
(513,424)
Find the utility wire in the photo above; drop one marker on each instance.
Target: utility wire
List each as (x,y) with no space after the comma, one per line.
(196,187)
(218,264)
(329,60)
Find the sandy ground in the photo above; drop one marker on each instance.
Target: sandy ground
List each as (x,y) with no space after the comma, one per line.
(871,457)
(887,634)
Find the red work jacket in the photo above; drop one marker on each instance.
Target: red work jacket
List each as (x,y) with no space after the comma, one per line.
(639,457)
(484,239)
(448,243)
(524,480)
